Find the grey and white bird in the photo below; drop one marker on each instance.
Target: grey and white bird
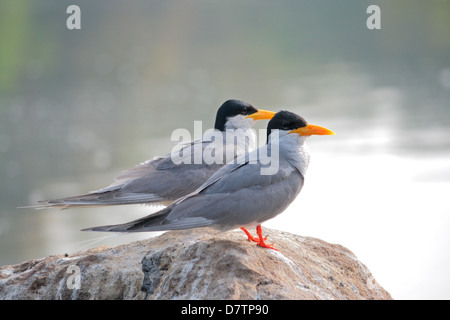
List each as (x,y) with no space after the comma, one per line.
(238,195)
(162,180)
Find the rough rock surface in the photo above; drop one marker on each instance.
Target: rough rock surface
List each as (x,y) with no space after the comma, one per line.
(197,264)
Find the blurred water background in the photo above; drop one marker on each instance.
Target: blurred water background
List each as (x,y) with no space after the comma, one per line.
(79,106)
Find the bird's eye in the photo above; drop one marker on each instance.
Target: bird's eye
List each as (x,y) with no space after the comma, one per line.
(284,125)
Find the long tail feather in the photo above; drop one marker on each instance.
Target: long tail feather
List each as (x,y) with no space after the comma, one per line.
(155,222)
(109,198)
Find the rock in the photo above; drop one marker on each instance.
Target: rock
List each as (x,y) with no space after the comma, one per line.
(197,264)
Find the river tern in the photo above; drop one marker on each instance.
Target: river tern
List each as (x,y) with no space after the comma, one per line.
(162,180)
(238,195)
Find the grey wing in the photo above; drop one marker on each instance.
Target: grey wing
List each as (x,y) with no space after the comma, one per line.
(163,183)
(242,197)
(155,181)
(153,222)
(163,180)
(237,195)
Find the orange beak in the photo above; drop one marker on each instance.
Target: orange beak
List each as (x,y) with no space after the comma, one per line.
(311,129)
(262,115)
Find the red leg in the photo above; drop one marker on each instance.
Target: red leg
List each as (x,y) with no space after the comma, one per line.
(250,237)
(261,242)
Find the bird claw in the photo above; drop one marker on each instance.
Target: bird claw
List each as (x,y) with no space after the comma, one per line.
(250,237)
(267,245)
(260,240)
(256,239)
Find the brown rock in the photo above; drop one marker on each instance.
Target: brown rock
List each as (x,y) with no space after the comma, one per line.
(197,264)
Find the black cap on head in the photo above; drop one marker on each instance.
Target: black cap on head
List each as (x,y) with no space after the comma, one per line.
(285,120)
(231,108)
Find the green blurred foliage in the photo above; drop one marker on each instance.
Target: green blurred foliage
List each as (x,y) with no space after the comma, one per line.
(269,37)
(14,38)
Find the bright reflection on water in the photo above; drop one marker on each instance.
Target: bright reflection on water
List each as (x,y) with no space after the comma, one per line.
(100,101)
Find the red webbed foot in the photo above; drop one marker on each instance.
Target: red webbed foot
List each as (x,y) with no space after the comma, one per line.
(261,242)
(249,235)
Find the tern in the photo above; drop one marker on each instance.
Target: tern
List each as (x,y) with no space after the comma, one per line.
(161,180)
(238,195)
